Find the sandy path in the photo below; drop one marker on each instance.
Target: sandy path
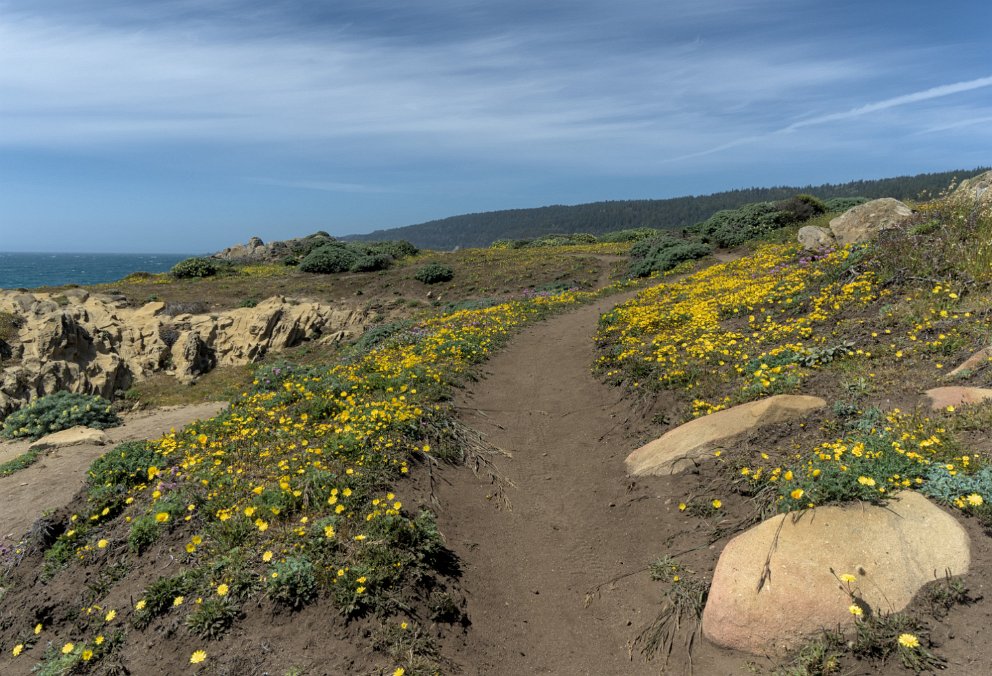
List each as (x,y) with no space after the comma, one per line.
(574,524)
(55,479)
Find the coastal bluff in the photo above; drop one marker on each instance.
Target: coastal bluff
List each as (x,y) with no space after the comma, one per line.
(98,344)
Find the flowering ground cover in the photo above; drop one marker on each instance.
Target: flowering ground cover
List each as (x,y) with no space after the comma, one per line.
(868,327)
(294,495)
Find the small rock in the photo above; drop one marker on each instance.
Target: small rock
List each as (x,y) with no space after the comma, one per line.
(942,397)
(813,237)
(973,363)
(977,189)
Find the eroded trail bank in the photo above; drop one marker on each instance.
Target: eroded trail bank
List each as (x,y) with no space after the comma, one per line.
(577,521)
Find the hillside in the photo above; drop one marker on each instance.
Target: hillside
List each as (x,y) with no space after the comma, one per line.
(770,459)
(473,230)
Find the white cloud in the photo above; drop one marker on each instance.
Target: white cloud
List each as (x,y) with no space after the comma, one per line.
(511,95)
(896,101)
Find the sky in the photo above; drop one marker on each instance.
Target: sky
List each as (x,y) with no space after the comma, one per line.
(190,125)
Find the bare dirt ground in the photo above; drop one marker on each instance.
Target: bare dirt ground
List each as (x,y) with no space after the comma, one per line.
(559,584)
(53,481)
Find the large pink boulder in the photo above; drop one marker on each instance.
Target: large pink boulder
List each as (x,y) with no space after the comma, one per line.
(773,586)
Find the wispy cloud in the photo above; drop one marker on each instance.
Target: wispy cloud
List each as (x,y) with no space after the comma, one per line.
(853,113)
(524,94)
(896,101)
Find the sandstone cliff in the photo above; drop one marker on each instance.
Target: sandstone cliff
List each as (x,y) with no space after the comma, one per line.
(97,344)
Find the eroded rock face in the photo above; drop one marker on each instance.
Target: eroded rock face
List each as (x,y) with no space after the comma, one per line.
(863,222)
(773,585)
(681,448)
(977,189)
(96,344)
(813,237)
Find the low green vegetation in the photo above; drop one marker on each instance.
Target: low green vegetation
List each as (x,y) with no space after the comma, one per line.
(26,459)
(733,227)
(434,273)
(338,256)
(56,412)
(194,268)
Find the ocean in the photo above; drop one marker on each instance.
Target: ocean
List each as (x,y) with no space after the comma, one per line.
(30,270)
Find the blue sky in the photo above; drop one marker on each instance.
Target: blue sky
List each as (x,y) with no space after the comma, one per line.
(189,125)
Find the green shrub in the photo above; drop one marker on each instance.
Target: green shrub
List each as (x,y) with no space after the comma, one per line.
(160,595)
(329,259)
(732,227)
(648,246)
(398,249)
(800,208)
(59,411)
(371,263)
(293,582)
(561,240)
(144,531)
(301,248)
(838,204)
(433,273)
(661,254)
(629,235)
(194,267)
(375,335)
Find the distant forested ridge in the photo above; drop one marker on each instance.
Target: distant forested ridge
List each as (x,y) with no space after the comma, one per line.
(476,230)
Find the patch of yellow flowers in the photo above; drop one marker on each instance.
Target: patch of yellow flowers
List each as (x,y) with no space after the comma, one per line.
(305,467)
(731,321)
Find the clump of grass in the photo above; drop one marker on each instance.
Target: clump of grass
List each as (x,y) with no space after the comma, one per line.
(681,613)
(160,596)
(212,618)
(818,657)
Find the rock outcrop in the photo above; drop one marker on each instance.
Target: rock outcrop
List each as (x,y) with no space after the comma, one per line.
(773,584)
(257,251)
(679,449)
(97,344)
(863,222)
(977,189)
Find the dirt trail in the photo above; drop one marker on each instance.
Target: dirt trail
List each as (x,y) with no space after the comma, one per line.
(55,479)
(577,521)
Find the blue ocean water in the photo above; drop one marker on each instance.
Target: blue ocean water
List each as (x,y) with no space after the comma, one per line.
(29,270)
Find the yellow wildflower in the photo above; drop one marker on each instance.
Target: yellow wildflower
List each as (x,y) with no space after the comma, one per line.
(909,641)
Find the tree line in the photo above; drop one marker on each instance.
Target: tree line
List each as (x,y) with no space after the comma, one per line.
(481,229)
